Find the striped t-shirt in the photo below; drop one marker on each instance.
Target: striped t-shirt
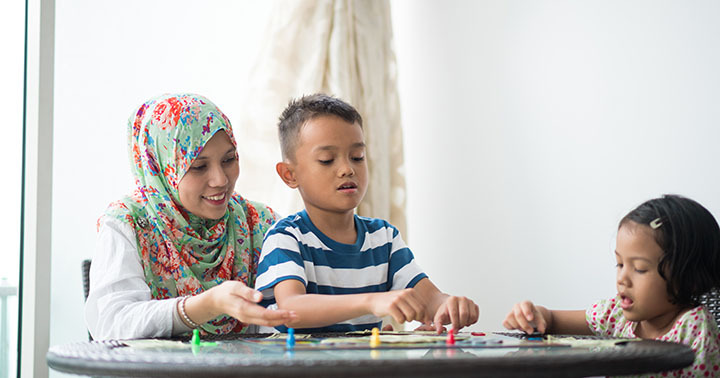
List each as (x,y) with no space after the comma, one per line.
(295,249)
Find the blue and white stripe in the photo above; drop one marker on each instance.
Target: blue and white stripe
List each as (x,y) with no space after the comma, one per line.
(378,261)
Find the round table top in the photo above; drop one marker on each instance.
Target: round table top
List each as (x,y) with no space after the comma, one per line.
(251,356)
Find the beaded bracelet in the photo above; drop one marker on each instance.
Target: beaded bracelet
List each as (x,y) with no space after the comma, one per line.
(189,322)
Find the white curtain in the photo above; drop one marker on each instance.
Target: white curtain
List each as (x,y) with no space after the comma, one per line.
(342,48)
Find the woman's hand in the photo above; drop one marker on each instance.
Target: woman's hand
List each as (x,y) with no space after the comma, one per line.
(525,316)
(235,299)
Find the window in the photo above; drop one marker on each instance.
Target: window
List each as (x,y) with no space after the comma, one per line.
(12,27)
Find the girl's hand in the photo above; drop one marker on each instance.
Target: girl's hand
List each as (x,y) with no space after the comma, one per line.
(403,305)
(458,311)
(525,316)
(235,299)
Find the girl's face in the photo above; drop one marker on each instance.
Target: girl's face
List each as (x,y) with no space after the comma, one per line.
(210,181)
(643,292)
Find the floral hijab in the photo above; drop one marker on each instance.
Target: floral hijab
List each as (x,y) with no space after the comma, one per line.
(183,254)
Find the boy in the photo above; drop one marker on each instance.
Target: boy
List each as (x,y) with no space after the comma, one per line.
(338,271)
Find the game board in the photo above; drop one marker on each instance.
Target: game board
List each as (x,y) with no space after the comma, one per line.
(277,344)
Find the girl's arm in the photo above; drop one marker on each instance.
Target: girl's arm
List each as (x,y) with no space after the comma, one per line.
(320,310)
(568,322)
(527,317)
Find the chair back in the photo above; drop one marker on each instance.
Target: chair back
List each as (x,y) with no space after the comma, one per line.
(711,300)
(86,282)
(86,277)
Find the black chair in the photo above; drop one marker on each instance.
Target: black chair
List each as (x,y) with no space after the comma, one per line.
(86,282)
(711,300)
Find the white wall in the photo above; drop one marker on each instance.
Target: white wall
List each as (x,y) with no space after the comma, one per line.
(532,127)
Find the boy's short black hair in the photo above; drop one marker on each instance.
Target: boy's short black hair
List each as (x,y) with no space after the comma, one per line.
(690,239)
(305,108)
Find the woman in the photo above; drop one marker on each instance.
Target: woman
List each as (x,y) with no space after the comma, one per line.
(181,251)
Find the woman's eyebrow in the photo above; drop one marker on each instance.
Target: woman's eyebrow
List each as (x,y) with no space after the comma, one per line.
(231,149)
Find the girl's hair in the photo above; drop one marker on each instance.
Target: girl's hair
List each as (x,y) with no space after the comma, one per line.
(690,239)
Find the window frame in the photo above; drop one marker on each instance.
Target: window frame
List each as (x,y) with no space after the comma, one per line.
(36,197)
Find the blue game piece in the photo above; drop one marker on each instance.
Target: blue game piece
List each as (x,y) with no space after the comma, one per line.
(290,343)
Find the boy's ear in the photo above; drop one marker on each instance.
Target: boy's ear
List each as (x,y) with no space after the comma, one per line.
(286,173)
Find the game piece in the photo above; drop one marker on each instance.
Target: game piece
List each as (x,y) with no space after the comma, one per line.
(451,337)
(290,343)
(477,333)
(375,338)
(535,336)
(195,337)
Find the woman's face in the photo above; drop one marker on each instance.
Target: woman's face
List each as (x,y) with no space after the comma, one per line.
(210,181)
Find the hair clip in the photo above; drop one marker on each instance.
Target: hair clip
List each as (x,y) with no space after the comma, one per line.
(655,223)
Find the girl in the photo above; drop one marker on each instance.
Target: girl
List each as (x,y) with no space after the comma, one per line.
(181,250)
(668,255)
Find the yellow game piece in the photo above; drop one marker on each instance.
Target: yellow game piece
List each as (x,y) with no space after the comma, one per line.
(375,338)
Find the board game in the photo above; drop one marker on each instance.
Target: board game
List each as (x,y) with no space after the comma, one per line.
(366,345)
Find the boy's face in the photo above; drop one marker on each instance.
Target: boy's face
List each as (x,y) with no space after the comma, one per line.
(329,168)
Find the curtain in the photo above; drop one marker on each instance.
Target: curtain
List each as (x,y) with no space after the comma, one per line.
(342,48)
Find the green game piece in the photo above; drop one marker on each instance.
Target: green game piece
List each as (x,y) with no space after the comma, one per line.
(195,337)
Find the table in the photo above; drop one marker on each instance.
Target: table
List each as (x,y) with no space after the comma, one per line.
(490,355)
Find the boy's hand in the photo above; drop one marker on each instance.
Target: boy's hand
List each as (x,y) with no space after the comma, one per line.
(527,317)
(403,305)
(429,327)
(458,311)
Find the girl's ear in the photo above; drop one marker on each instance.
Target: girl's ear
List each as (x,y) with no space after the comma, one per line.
(286,173)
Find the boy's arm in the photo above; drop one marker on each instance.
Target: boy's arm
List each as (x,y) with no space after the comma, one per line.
(447,309)
(320,310)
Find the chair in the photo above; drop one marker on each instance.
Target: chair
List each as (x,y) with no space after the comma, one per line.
(711,300)
(86,277)
(86,282)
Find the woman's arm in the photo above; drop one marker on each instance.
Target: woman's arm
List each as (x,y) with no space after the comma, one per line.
(119,304)
(234,298)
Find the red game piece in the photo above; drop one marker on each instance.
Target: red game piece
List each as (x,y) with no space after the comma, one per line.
(451,337)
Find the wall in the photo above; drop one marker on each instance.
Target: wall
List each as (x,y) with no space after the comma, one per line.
(532,127)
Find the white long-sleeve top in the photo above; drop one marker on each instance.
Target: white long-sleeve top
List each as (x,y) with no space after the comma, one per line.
(120,305)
